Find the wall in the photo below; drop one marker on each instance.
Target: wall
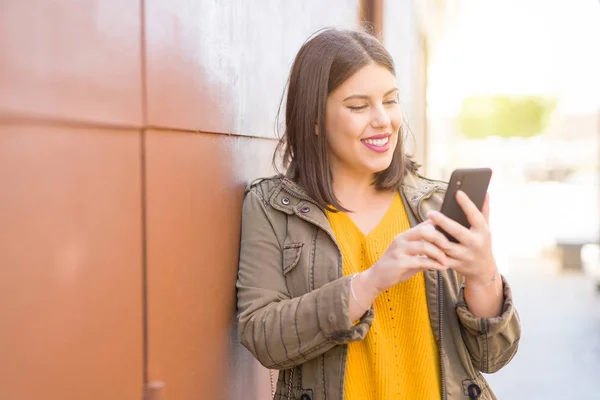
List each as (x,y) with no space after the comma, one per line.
(71,232)
(406,42)
(128,131)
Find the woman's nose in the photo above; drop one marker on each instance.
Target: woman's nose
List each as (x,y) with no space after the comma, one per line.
(380,118)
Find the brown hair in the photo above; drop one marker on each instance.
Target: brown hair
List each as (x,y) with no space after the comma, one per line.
(323,63)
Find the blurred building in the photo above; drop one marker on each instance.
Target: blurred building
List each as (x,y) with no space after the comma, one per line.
(128,131)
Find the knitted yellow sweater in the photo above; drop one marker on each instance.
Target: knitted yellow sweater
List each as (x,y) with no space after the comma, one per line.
(399,357)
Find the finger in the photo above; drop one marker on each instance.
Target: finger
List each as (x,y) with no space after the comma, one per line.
(431,234)
(459,232)
(455,265)
(456,251)
(458,266)
(485,210)
(423,247)
(474,216)
(427,231)
(416,232)
(425,263)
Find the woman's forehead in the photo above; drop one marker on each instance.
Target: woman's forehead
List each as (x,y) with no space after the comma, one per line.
(371,80)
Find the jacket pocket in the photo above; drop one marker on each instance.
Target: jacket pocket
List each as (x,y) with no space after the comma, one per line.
(291,256)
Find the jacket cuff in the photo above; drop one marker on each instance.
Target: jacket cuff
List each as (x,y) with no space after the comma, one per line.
(489,326)
(333,312)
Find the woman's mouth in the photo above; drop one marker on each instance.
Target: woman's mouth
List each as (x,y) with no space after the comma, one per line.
(379,143)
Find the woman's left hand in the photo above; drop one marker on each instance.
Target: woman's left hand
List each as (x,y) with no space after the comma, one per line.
(472,257)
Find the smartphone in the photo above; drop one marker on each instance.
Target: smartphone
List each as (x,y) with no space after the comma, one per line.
(474,182)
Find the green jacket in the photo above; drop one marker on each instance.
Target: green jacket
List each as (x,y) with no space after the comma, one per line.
(293,299)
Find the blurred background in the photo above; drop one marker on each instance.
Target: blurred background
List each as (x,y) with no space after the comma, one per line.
(129,130)
(515,86)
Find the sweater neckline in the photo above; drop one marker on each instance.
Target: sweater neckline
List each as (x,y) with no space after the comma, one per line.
(381,225)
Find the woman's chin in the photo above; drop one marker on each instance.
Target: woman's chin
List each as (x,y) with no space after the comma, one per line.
(383,164)
(379,167)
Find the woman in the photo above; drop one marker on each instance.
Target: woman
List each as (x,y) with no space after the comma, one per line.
(344,284)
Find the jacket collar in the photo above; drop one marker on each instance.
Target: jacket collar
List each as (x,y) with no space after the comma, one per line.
(420,195)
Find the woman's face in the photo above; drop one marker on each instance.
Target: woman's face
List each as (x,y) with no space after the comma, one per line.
(363,119)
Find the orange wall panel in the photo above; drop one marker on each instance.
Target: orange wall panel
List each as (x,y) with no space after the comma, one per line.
(68,59)
(70,264)
(195,188)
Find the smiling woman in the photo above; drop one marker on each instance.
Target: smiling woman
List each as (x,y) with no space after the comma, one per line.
(342,82)
(363,122)
(340,238)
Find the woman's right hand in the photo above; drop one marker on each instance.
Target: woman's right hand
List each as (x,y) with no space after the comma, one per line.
(418,249)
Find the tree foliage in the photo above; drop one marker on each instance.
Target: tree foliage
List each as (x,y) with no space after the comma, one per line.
(505,116)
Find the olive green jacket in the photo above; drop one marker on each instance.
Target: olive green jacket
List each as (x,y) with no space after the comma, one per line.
(293,299)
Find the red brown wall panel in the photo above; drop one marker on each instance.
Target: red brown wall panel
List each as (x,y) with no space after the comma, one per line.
(195,187)
(69,59)
(70,264)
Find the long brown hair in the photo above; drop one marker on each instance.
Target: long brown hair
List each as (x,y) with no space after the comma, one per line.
(322,64)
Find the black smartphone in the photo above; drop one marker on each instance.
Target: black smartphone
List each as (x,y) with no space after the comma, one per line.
(474,182)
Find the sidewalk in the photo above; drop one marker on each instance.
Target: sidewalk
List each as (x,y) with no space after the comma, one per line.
(559,353)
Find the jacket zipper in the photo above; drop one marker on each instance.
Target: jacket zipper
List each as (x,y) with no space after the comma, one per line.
(440,316)
(291,381)
(440,294)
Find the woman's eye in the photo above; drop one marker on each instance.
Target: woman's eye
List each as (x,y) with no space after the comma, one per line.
(392,101)
(357,108)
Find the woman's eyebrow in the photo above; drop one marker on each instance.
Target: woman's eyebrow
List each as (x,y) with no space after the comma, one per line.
(364,96)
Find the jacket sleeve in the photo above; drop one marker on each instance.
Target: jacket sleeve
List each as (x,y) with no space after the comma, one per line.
(492,342)
(280,331)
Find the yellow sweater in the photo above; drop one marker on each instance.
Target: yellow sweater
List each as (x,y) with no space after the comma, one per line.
(399,357)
